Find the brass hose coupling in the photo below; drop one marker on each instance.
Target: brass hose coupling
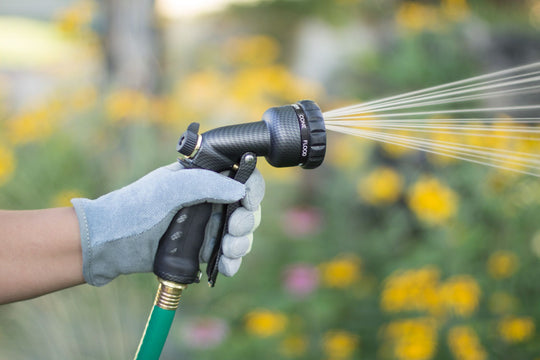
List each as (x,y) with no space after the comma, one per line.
(168,294)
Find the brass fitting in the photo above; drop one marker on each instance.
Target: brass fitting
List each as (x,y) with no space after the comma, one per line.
(168,294)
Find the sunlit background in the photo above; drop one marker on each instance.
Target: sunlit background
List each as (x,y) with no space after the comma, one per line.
(388,253)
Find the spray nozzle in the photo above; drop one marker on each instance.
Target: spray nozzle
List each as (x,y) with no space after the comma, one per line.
(288,135)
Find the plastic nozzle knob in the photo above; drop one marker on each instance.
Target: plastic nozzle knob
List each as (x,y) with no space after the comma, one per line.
(188,141)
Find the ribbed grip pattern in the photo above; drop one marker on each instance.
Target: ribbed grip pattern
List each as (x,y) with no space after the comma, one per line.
(223,147)
(286,147)
(317,134)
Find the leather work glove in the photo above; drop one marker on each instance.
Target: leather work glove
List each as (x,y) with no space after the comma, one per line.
(120,231)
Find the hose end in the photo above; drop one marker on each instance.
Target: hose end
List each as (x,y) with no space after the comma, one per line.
(169,294)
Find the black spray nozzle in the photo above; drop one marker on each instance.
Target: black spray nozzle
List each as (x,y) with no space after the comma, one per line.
(288,135)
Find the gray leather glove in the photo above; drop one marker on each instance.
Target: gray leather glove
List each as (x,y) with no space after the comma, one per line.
(120,231)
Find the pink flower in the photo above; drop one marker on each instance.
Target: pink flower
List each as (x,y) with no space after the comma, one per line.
(301,279)
(302,221)
(205,333)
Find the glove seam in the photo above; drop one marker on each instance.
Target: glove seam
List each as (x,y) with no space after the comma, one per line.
(89,247)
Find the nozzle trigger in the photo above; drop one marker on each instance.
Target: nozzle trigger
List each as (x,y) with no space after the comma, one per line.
(245,169)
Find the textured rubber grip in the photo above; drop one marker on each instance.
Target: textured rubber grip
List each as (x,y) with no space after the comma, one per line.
(223,147)
(317,134)
(177,257)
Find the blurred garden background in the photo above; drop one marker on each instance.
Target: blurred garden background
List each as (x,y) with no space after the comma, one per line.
(387,254)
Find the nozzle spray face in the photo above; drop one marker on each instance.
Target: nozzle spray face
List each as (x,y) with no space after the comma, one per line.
(288,135)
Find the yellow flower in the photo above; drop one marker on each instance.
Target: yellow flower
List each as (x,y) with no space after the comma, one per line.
(516,329)
(340,344)
(381,187)
(73,19)
(460,294)
(127,104)
(465,344)
(268,83)
(442,142)
(33,125)
(7,164)
(63,198)
(412,290)
(432,202)
(411,339)
(253,50)
(294,346)
(264,323)
(416,16)
(341,272)
(395,150)
(455,10)
(502,264)
(201,92)
(421,290)
(346,152)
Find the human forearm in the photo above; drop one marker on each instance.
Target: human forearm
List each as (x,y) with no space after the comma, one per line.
(40,252)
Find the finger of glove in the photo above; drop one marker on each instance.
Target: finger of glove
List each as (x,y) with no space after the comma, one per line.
(235,247)
(228,266)
(255,188)
(243,221)
(200,185)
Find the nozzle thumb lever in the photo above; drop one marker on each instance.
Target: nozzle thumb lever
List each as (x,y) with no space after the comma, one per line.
(187,145)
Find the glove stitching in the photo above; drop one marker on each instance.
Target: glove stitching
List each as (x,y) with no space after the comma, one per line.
(89,246)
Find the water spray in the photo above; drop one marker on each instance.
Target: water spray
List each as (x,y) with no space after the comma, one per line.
(491,119)
(291,135)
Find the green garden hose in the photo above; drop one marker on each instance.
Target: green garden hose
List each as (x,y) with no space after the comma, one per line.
(160,320)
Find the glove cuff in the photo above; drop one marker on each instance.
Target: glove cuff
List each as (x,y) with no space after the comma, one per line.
(78,205)
(104,261)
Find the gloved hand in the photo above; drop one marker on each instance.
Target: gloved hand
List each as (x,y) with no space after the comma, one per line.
(120,231)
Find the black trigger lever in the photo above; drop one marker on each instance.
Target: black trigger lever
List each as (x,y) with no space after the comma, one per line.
(246,167)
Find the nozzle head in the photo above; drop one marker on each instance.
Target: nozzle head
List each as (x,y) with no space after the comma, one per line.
(298,135)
